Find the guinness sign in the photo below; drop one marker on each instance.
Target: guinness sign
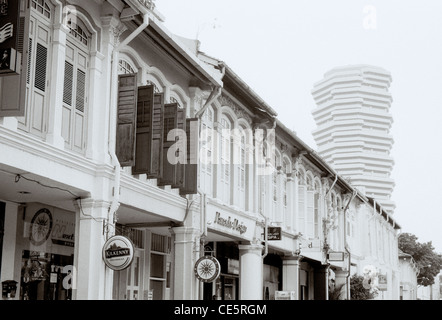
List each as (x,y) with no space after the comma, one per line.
(118,253)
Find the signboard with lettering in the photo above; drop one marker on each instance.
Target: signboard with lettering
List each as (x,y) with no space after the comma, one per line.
(336,256)
(10,58)
(230,223)
(310,245)
(118,252)
(285,295)
(273,233)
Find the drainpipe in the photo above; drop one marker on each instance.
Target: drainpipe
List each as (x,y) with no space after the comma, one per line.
(333,184)
(355,192)
(113,117)
(216,92)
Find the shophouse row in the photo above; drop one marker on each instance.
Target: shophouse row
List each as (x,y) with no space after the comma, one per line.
(115,126)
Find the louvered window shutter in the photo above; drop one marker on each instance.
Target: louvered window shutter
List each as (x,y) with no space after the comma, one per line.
(310,213)
(81,91)
(170,123)
(68,83)
(143,130)
(126,119)
(301,209)
(180,167)
(156,151)
(191,167)
(316,210)
(40,67)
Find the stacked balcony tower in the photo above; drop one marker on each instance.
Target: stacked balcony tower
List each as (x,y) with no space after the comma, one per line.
(353,128)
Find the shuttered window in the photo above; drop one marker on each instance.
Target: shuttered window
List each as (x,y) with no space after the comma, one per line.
(149,136)
(40,67)
(225,159)
(126,119)
(38,42)
(81,90)
(301,209)
(74,114)
(310,214)
(173,172)
(316,215)
(68,83)
(242,171)
(191,167)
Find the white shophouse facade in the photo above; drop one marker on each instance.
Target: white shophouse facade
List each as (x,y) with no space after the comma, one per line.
(72,160)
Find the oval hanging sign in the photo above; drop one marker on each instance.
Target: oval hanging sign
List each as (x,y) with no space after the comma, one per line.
(118,252)
(207,269)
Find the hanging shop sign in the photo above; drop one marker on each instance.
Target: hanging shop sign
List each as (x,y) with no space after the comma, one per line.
(336,256)
(9,27)
(382,282)
(273,233)
(118,253)
(207,269)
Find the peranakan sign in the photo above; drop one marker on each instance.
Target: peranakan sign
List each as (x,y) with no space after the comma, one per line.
(10,58)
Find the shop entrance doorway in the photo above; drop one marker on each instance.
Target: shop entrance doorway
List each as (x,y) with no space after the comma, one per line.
(133,278)
(229,287)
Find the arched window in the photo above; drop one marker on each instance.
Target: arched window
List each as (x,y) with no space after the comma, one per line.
(242,170)
(285,205)
(175,100)
(302,189)
(78,31)
(316,212)
(75,111)
(42,7)
(124,67)
(225,147)
(276,188)
(156,88)
(38,68)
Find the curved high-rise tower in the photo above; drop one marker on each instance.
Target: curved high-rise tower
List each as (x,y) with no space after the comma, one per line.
(353,128)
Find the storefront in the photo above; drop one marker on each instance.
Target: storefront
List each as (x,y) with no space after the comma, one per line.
(148,277)
(40,257)
(236,240)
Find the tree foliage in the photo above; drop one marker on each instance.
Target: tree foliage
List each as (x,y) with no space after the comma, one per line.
(428,261)
(357,290)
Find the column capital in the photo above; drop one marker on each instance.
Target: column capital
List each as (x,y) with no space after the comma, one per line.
(294,258)
(250,248)
(86,208)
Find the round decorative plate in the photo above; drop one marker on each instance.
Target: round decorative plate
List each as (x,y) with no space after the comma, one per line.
(207,269)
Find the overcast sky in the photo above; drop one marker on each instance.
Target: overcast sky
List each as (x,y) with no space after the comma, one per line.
(280,48)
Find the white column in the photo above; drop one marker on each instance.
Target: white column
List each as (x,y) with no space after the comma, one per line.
(290,274)
(96,127)
(251,272)
(341,280)
(186,253)
(289,220)
(90,237)
(57,78)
